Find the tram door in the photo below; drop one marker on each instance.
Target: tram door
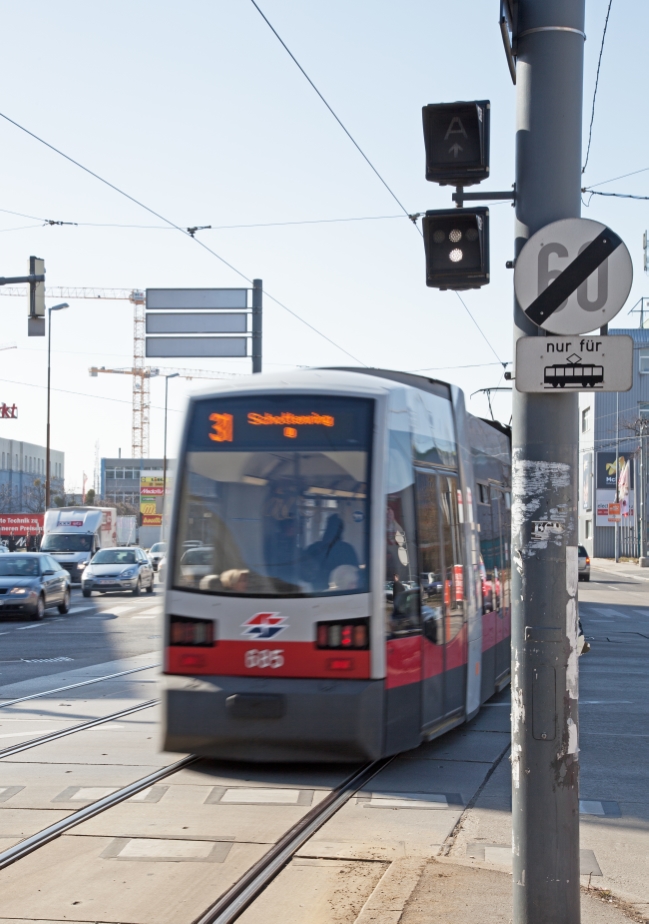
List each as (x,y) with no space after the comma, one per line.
(442,602)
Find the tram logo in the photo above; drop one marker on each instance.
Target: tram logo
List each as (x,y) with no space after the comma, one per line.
(263,626)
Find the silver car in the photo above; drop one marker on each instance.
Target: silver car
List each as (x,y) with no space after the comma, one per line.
(118,569)
(583,561)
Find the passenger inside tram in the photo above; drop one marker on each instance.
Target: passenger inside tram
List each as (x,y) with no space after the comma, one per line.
(326,555)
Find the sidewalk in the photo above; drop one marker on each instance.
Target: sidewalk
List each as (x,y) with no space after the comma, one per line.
(622,568)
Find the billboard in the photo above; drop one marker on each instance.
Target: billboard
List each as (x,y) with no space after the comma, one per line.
(151,497)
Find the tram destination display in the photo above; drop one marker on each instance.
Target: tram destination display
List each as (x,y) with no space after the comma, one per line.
(555,364)
(286,422)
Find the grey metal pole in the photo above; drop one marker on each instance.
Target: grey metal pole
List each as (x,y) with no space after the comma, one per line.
(545,768)
(640,492)
(617,472)
(47,441)
(257,296)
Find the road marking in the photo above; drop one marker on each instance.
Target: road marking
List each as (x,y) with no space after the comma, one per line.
(155,610)
(39,625)
(608,612)
(143,617)
(33,731)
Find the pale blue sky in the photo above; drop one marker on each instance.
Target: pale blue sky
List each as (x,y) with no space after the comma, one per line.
(196,109)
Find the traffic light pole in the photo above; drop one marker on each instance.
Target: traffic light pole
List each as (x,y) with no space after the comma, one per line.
(257,298)
(545,768)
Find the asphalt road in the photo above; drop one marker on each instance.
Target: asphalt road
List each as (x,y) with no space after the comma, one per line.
(96,630)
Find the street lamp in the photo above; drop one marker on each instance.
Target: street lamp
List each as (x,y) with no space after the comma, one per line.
(47,445)
(173,375)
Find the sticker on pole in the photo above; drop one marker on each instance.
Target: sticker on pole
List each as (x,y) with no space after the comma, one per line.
(573,276)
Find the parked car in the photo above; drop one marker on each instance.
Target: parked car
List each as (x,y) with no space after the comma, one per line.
(30,582)
(583,564)
(118,569)
(157,553)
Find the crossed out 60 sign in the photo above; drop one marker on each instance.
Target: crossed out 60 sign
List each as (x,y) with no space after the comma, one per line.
(573,276)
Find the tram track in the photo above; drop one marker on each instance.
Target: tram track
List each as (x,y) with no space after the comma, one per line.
(72,686)
(227,907)
(73,729)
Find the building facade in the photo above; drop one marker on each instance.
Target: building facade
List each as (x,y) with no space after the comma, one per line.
(22,476)
(138,483)
(610,426)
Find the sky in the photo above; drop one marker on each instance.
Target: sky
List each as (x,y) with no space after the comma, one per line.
(197,111)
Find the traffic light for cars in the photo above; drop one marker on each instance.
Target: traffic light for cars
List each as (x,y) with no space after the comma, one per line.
(456,136)
(457,248)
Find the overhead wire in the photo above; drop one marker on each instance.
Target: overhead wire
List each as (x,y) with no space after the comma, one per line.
(623,176)
(183,231)
(599,64)
(336,117)
(263,224)
(484,336)
(412,216)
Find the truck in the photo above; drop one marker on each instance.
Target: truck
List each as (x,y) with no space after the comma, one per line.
(126,530)
(72,535)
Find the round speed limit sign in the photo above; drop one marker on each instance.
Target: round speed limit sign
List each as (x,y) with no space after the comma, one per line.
(573,276)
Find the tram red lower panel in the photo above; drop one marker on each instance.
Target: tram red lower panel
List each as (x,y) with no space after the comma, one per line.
(263,659)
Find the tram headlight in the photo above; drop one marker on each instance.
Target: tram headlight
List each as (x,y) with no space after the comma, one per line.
(348,634)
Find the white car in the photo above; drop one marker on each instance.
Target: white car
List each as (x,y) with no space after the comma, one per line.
(156,553)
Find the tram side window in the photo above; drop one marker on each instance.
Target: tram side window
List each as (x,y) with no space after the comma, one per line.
(430,557)
(453,558)
(401,578)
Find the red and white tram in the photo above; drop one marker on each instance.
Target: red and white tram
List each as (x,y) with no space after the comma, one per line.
(338,579)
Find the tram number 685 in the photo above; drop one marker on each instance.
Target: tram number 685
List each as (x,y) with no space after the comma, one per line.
(264,657)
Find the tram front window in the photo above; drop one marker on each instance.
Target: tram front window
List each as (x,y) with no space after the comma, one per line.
(274,498)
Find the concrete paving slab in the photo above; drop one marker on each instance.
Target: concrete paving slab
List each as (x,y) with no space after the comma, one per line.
(70,880)
(223,773)
(365,833)
(25,822)
(315,892)
(455,894)
(177,815)
(463,744)
(493,717)
(404,775)
(43,780)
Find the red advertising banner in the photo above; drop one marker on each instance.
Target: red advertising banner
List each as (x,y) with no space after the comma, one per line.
(152,519)
(21,524)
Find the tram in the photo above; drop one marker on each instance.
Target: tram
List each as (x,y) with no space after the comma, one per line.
(338,580)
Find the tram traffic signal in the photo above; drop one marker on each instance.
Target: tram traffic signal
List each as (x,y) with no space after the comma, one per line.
(456,136)
(456,242)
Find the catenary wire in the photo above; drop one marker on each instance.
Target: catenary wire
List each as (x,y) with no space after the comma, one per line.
(183,231)
(599,64)
(262,224)
(338,120)
(484,336)
(595,192)
(67,391)
(360,150)
(612,180)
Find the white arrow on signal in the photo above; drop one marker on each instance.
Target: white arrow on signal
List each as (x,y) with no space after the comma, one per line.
(455,149)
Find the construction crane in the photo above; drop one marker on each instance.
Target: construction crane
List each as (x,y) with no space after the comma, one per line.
(141,394)
(142,376)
